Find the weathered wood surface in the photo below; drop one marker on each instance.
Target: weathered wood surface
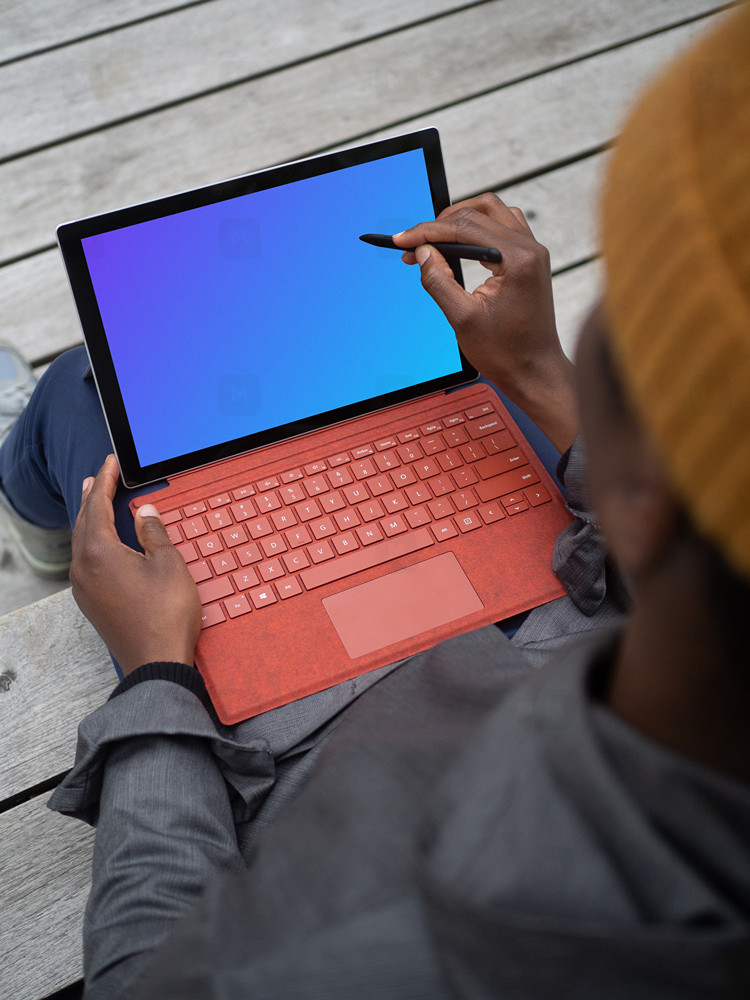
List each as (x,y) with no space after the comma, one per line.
(54,669)
(105,104)
(43,893)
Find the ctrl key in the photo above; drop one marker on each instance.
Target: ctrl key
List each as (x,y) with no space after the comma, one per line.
(212,615)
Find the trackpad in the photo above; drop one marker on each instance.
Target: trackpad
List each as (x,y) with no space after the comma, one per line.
(402,604)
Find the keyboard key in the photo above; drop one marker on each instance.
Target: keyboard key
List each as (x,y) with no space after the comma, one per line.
(188,552)
(237,606)
(339,477)
(403,477)
(273,545)
(346,519)
(242,492)
(455,437)
(373,555)
(484,426)
(427,469)
(370,511)
(262,596)
(419,494)
(517,508)
(491,512)
(388,460)
(213,590)
(368,534)
(194,527)
(289,588)
(509,482)
(220,518)
(432,445)
(212,615)
(479,411)
(341,459)
(356,493)
(364,469)
(174,534)
(451,421)
(266,502)
(223,563)
(320,552)
(307,511)
(464,499)
(472,452)
(331,502)
(362,451)
(220,500)
(537,496)
(386,443)
(283,519)
(394,502)
(496,465)
(417,516)
(264,485)
(406,436)
(298,536)
(194,508)
(441,508)
(291,475)
(246,578)
(244,510)
(296,560)
(465,477)
(322,528)
(468,521)
(315,485)
(443,530)
(248,554)
(499,442)
(259,528)
(410,452)
(345,543)
(209,545)
(314,468)
(432,428)
(393,525)
(200,571)
(292,493)
(234,536)
(170,516)
(270,570)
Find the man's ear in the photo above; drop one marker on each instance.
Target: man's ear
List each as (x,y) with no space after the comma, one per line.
(639,510)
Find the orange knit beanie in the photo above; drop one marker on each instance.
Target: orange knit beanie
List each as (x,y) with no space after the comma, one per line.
(676,242)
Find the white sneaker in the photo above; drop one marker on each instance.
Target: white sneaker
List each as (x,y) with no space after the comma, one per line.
(46,550)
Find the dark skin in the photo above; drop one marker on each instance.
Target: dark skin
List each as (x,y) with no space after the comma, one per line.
(670,678)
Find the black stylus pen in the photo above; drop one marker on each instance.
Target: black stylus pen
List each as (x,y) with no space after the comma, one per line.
(464,250)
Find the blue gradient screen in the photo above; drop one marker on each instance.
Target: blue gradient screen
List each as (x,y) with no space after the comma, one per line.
(254,312)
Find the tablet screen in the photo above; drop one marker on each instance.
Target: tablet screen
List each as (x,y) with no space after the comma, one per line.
(259,313)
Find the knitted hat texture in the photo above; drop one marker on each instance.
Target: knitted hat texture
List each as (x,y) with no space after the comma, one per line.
(676,242)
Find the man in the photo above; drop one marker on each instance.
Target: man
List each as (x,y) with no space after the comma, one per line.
(464,826)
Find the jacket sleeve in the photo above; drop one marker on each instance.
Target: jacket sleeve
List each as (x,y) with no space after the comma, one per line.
(164,788)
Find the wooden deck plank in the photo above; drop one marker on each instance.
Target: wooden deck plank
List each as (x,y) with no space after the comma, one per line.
(43,894)
(30,28)
(116,75)
(55,670)
(236,130)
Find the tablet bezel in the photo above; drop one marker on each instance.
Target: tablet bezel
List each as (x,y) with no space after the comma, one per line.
(71,234)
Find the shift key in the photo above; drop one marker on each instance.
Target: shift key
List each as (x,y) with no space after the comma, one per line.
(508,482)
(212,590)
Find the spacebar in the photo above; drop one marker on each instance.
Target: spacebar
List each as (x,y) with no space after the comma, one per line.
(373,555)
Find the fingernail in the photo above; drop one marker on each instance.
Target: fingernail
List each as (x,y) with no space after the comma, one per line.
(148,510)
(87,484)
(422,254)
(398,234)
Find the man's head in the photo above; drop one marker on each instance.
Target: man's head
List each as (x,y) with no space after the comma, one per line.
(676,242)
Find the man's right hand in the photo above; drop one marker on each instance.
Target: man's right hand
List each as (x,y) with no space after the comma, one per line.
(505,327)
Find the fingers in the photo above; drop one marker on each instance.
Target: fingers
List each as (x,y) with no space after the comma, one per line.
(96,513)
(439,281)
(485,221)
(152,535)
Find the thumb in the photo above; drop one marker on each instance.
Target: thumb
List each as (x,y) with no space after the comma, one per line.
(439,281)
(150,529)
